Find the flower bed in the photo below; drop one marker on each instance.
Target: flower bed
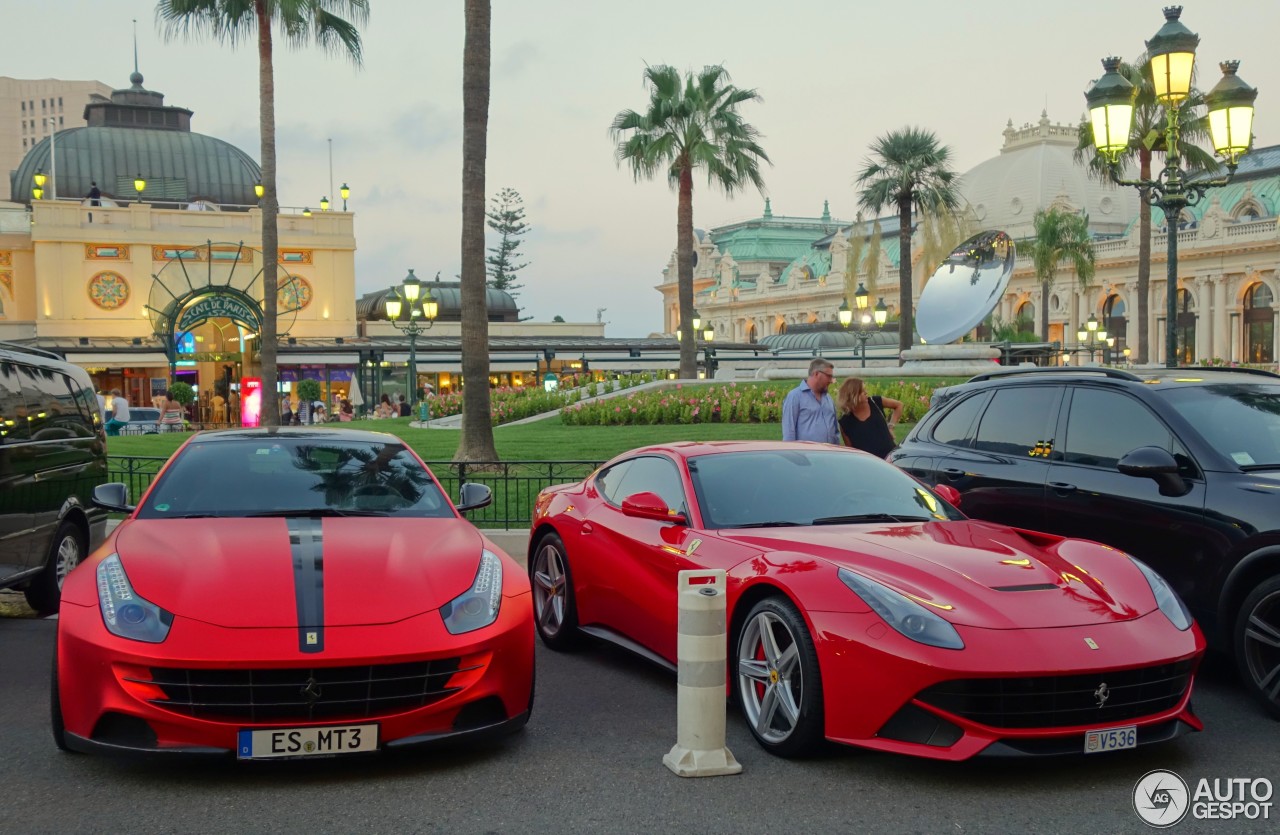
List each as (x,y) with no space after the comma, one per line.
(507,404)
(723,403)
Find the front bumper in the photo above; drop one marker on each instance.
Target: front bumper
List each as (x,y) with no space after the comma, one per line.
(873,680)
(111,703)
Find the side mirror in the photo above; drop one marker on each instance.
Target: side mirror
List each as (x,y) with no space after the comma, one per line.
(949,494)
(1157,464)
(473,496)
(651,506)
(113,497)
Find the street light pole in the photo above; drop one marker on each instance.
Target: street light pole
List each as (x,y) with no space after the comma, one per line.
(1230,105)
(863,333)
(405,301)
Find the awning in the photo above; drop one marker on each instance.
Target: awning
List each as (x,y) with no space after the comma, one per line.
(142,358)
(317,359)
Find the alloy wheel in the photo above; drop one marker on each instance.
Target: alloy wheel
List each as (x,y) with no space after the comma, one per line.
(770,678)
(68,558)
(1262,646)
(549,589)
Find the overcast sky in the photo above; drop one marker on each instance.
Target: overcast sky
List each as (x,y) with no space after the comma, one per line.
(834,74)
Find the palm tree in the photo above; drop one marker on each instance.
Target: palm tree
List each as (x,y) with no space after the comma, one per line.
(1146,137)
(1060,236)
(301,22)
(908,168)
(476,443)
(690,124)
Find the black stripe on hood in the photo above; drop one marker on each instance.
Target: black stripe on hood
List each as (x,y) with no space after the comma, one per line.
(307,547)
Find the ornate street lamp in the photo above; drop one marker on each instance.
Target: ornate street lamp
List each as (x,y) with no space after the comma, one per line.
(1230,106)
(258,190)
(1091,335)
(324,204)
(408,302)
(863,333)
(306,211)
(345,191)
(708,336)
(139,186)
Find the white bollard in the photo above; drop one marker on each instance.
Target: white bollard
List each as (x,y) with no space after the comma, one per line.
(700,695)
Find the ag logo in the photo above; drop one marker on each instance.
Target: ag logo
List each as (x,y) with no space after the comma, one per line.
(1161,798)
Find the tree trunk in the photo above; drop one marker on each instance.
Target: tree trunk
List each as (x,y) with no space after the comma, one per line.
(1144,259)
(684,276)
(1045,286)
(476,443)
(270,213)
(906,319)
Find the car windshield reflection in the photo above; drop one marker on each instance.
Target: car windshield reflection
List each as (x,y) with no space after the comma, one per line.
(288,477)
(778,488)
(1240,421)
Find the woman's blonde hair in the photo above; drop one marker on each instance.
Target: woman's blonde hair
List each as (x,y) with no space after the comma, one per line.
(847,398)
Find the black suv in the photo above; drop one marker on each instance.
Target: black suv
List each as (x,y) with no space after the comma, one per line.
(53,453)
(1178,467)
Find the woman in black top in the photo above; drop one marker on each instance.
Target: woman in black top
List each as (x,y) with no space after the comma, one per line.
(862,421)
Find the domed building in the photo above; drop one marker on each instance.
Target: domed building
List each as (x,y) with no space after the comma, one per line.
(135,137)
(1229,254)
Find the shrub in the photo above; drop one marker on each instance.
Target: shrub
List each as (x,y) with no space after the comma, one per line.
(308,390)
(182,393)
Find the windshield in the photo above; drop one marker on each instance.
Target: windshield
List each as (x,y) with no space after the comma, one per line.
(279,476)
(808,487)
(1240,421)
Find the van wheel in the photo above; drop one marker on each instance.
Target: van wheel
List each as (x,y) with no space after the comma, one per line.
(65,553)
(1257,644)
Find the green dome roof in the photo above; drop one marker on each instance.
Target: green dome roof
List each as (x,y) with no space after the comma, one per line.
(177,165)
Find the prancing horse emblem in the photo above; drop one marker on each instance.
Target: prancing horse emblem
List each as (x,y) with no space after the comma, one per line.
(1102,694)
(311,690)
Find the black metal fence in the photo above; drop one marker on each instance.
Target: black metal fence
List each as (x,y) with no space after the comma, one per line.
(515,484)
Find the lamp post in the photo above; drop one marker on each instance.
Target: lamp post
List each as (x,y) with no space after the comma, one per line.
(1091,336)
(53,157)
(139,186)
(404,301)
(324,204)
(863,333)
(1230,106)
(708,336)
(37,190)
(345,191)
(258,190)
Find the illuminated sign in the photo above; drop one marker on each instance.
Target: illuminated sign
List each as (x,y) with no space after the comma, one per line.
(212,307)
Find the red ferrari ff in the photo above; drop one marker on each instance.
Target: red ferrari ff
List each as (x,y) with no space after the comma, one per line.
(865,609)
(291,593)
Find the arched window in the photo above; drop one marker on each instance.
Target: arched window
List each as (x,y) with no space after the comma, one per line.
(1025,318)
(1259,324)
(1114,321)
(1246,212)
(1186,327)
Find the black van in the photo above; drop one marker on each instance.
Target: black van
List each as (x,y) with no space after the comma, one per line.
(53,452)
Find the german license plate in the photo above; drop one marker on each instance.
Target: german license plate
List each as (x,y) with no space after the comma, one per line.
(1111,739)
(306,742)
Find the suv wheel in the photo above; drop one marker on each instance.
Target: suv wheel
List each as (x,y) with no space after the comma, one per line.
(65,553)
(1257,644)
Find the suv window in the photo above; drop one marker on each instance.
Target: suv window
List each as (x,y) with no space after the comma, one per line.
(652,475)
(956,426)
(13,409)
(1104,426)
(1017,420)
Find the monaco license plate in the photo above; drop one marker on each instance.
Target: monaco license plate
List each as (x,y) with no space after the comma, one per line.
(1111,739)
(306,742)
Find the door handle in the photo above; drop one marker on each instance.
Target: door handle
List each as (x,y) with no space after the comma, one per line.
(1062,487)
(952,473)
(587,527)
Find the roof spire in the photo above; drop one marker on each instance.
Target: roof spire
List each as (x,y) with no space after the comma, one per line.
(136,77)
(768,210)
(826,212)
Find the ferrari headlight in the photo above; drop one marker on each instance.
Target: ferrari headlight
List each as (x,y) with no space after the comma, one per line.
(1166,598)
(477,606)
(904,615)
(123,611)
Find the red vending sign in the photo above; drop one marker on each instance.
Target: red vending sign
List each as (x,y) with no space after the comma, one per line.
(250,401)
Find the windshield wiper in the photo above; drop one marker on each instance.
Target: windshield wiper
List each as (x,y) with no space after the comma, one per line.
(775,524)
(313,512)
(1253,468)
(868,517)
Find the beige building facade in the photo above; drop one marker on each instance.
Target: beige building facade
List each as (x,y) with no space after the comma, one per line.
(31,108)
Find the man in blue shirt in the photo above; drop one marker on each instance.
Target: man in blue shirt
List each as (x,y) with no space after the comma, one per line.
(808,412)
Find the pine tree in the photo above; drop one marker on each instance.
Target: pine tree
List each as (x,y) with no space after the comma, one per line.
(506,217)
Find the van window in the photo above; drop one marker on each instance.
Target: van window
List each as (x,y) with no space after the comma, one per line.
(13,408)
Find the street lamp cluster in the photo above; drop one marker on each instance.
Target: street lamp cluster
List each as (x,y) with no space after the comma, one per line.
(708,335)
(1171,53)
(863,333)
(1092,336)
(408,307)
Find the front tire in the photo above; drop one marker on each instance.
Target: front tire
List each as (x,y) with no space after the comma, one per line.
(779,686)
(1257,644)
(65,552)
(555,607)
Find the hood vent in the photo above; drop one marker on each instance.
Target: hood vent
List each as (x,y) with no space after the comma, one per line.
(1028,587)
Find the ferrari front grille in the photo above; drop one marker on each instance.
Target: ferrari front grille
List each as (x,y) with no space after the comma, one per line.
(1090,699)
(304,693)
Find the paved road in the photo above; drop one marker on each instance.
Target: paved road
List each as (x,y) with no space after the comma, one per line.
(590,761)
